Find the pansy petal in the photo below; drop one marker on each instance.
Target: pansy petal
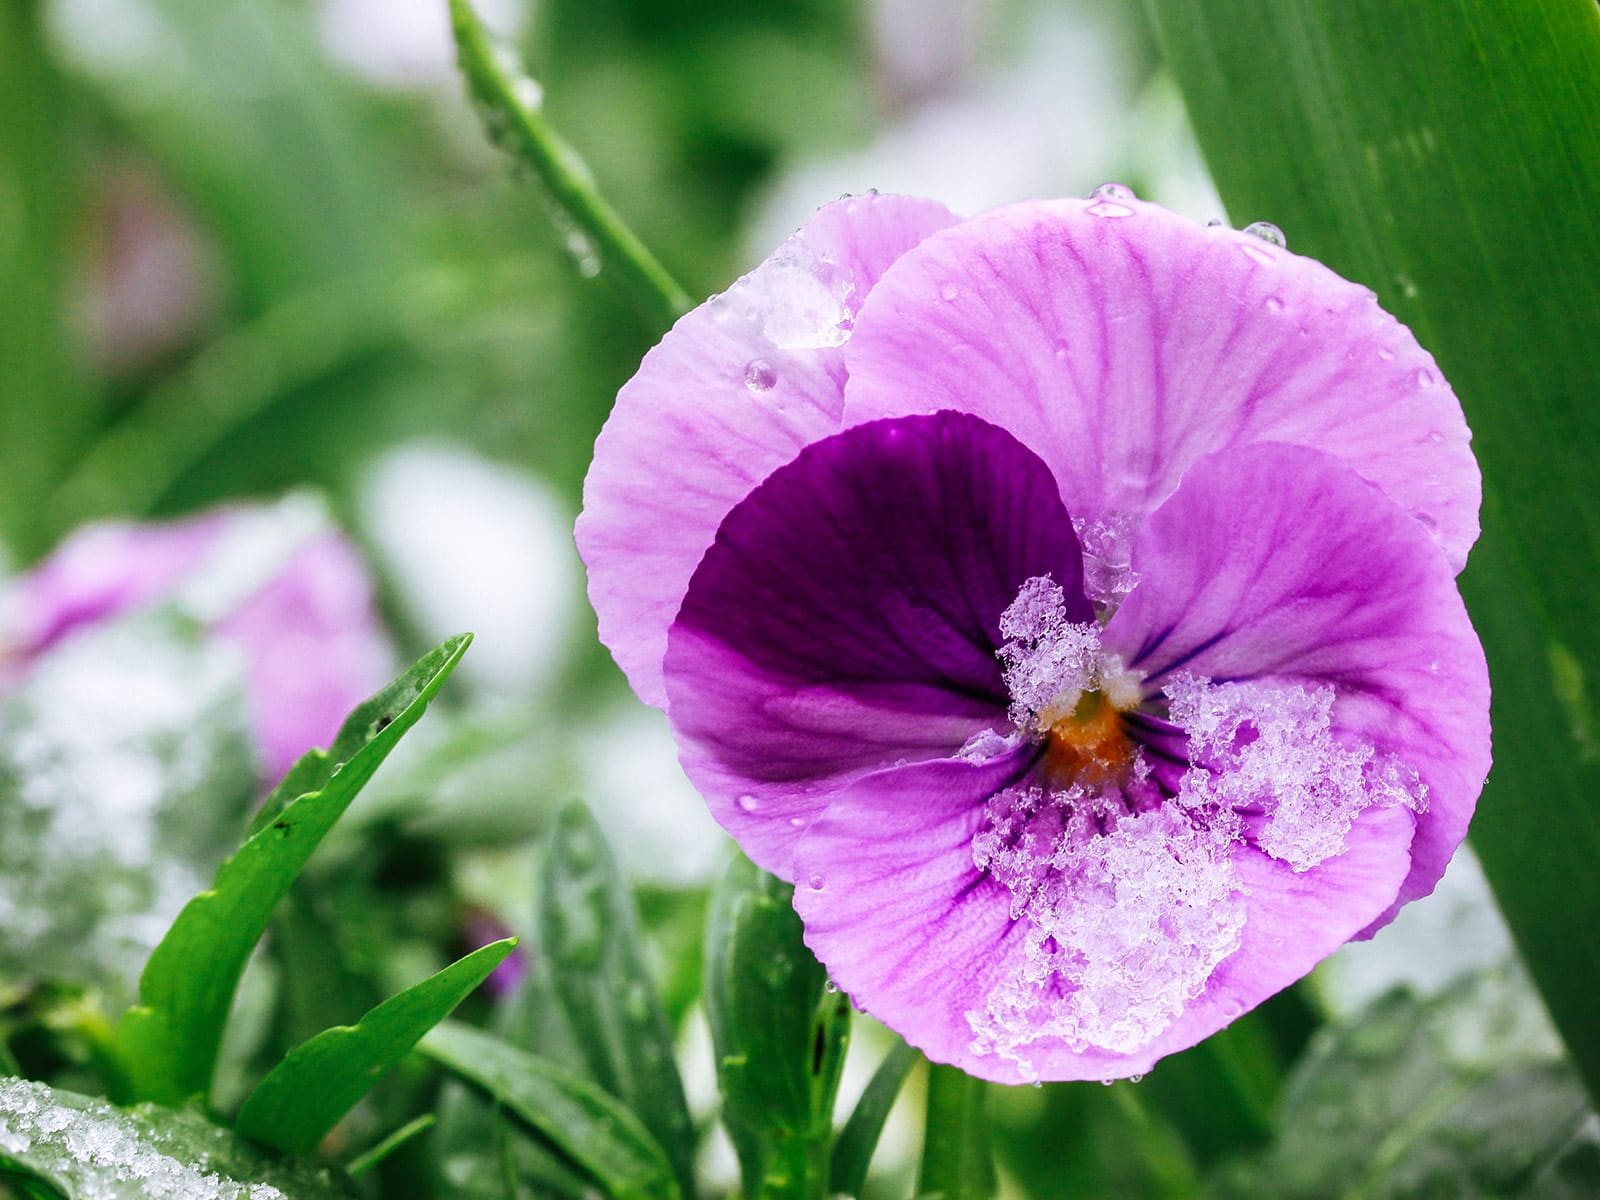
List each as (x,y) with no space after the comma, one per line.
(1276,561)
(732,392)
(897,911)
(1122,343)
(847,616)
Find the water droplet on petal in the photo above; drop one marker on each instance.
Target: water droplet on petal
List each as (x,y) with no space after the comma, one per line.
(1107,1082)
(1275,303)
(1386,354)
(816,883)
(831,988)
(1037,1085)
(949,292)
(1215,222)
(1112,191)
(1267,232)
(748,803)
(1109,210)
(796,822)
(1061,350)
(1436,436)
(1426,378)
(1135,1078)
(759,375)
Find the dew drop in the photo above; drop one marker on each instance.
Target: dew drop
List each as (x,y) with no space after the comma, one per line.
(1037,1085)
(1112,191)
(796,822)
(1275,304)
(1436,436)
(748,803)
(1060,351)
(831,988)
(759,375)
(1215,222)
(949,292)
(1428,522)
(1109,210)
(1426,378)
(1135,1078)
(528,93)
(1407,286)
(1267,232)
(816,883)
(1386,354)
(1107,1082)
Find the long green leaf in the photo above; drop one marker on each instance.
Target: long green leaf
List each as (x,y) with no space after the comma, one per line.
(584,1124)
(84,1149)
(513,115)
(169,1042)
(1448,155)
(589,938)
(780,1036)
(853,1150)
(306,1094)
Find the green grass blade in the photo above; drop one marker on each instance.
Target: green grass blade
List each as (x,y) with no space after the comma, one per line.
(321,1079)
(589,938)
(957,1161)
(369,1159)
(853,1150)
(1448,155)
(509,104)
(582,1123)
(168,1043)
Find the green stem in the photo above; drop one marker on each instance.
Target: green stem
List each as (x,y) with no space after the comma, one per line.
(956,1159)
(509,103)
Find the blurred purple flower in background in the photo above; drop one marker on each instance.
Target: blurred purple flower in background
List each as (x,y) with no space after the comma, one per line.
(1064,599)
(280,583)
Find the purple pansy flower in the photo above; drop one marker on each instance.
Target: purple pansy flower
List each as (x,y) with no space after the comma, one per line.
(278,582)
(1064,599)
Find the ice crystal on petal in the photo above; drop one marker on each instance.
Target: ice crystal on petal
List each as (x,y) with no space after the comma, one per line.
(801,299)
(1128,913)
(1108,574)
(1268,751)
(1049,661)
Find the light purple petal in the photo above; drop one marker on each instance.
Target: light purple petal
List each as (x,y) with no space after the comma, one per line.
(1122,343)
(314,649)
(919,937)
(731,393)
(102,570)
(847,616)
(1276,562)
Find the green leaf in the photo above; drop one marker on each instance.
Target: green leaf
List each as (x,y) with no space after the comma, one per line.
(780,1034)
(852,1151)
(88,1150)
(1463,1095)
(169,1043)
(1442,153)
(368,1159)
(589,1128)
(513,115)
(957,1160)
(306,1094)
(589,939)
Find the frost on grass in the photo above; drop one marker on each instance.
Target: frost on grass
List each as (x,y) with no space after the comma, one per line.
(1128,914)
(94,1151)
(1267,751)
(125,767)
(1049,662)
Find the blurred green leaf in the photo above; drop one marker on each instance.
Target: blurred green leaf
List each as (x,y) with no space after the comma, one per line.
(45,404)
(1457,1096)
(589,941)
(305,1095)
(87,1150)
(368,1159)
(780,1033)
(1447,155)
(586,1126)
(511,106)
(852,1152)
(169,1042)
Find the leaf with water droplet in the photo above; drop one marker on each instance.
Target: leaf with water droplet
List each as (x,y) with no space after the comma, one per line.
(780,1037)
(589,941)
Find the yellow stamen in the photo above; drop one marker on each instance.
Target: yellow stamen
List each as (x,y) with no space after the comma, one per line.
(1089,745)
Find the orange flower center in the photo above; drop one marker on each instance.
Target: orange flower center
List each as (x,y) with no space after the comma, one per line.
(1089,746)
